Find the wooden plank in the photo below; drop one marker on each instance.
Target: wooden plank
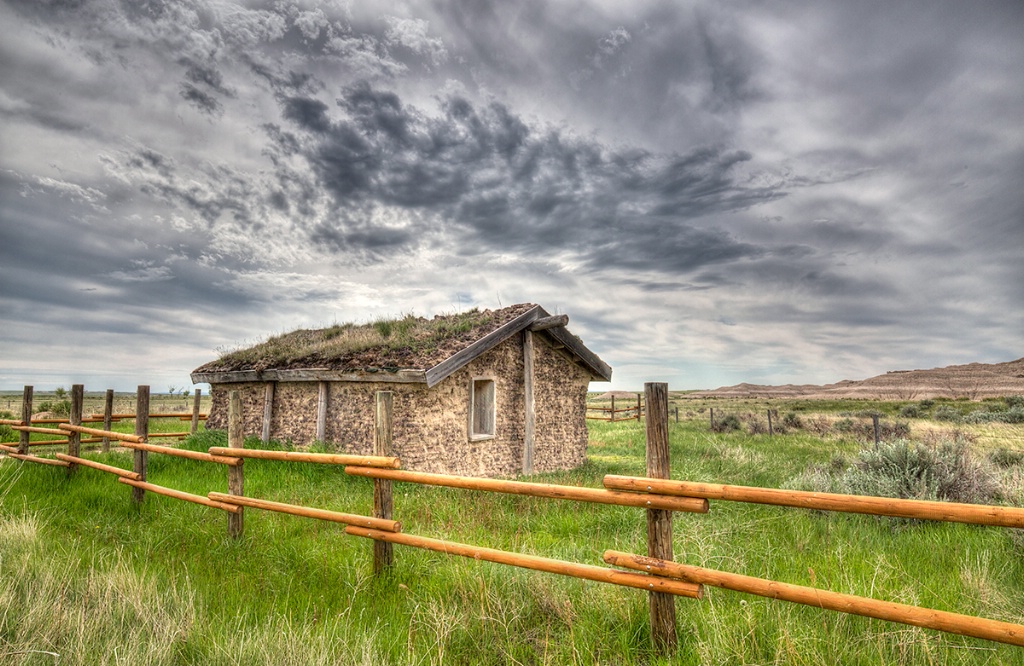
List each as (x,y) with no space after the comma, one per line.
(44,431)
(302,456)
(268,411)
(308,512)
(383,498)
(659,521)
(26,418)
(576,493)
(544,323)
(184,453)
(530,415)
(537,563)
(236,475)
(12,422)
(195,411)
(964,625)
(179,494)
(75,438)
(108,417)
(120,436)
(157,435)
(97,465)
(481,346)
(600,370)
(12,452)
(141,460)
(321,412)
(976,514)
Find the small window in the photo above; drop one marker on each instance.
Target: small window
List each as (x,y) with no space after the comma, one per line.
(481,409)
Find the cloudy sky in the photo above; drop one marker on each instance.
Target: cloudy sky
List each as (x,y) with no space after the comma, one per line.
(714,192)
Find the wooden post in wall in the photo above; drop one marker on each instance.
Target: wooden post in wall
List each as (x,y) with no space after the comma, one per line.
(383,500)
(268,411)
(108,417)
(26,419)
(142,430)
(530,422)
(75,418)
(659,521)
(236,474)
(195,411)
(321,412)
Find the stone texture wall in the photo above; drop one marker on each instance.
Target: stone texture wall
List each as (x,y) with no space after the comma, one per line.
(431,426)
(560,403)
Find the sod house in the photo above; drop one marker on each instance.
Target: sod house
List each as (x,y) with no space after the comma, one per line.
(492,393)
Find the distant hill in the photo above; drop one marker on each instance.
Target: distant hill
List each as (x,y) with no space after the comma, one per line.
(973,381)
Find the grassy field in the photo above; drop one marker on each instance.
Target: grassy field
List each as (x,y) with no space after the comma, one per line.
(87,576)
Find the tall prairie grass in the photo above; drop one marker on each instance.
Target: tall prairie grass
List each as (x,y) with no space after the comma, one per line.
(87,576)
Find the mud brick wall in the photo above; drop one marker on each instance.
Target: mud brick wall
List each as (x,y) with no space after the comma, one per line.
(431,426)
(560,404)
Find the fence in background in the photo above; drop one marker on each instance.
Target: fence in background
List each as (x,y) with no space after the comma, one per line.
(611,413)
(660,496)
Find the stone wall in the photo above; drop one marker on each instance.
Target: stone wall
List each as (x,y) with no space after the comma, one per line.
(431,426)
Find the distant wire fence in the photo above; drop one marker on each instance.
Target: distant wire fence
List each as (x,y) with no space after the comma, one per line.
(659,495)
(631,412)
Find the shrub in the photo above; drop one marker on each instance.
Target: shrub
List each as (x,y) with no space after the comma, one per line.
(926,404)
(791,420)
(909,470)
(948,413)
(1014,401)
(58,408)
(1004,457)
(844,425)
(910,411)
(728,423)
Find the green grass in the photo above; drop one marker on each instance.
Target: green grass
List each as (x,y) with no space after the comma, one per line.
(87,575)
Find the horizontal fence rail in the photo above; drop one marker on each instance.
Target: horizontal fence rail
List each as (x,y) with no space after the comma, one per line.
(965,625)
(110,469)
(180,494)
(307,512)
(183,453)
(120,436)
(573,569)
(299,456)
(13,453)
(594,495)
(975,514)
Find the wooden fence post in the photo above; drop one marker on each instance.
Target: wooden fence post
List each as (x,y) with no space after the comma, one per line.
(108,413)
(712,411)
(26,417)
(639,407)
(75,418)
(142,430)
(613,407)
(659,521)
(383,500)
(771,432)
(874,419)
(195,411)
(236,474)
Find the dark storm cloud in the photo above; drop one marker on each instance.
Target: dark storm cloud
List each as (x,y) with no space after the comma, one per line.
(500,184)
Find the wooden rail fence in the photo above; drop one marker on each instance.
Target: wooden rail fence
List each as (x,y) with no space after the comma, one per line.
(655,572)
(611,413)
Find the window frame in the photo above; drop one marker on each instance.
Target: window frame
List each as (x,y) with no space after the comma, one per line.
(474,399)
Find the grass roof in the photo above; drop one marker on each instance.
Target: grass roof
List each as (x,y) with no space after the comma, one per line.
(404,343)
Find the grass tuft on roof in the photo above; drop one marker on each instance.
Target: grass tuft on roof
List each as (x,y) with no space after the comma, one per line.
(406,342)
